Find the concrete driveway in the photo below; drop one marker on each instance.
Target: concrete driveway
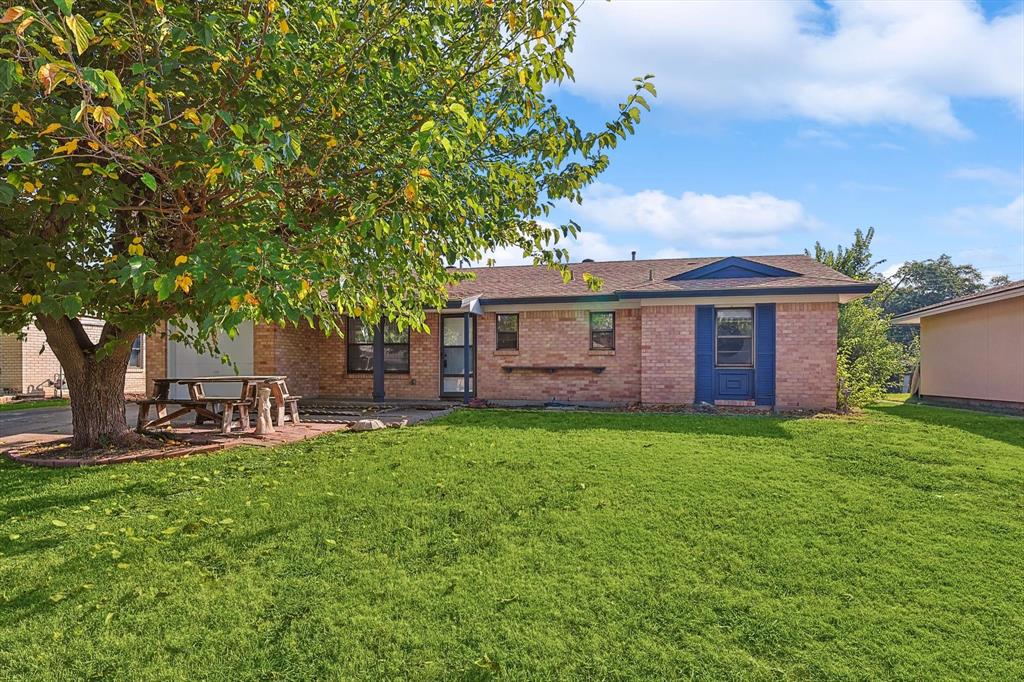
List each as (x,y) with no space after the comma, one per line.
(21,427)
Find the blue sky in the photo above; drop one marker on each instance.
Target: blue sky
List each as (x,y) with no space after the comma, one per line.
(778,124)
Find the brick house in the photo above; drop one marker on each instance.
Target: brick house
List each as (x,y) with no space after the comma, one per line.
(757,330)
(29,367)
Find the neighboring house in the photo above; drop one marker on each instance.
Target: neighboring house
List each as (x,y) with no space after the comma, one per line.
(734,331)
(29,367)
(972,348)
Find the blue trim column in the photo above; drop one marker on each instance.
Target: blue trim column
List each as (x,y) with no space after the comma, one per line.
(378,362)
(466,349)
(704,374)
(764,362)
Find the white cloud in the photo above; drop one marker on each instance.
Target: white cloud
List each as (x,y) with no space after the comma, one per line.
(731,221)
(971,218)
(857,62)
(588,244)
(671,252)
(991,175)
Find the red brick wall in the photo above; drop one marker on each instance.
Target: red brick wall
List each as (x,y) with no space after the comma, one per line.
(292,351)
(805,355)
(421,383)
(561,338)
(653,361)
(156,356)
(668,348)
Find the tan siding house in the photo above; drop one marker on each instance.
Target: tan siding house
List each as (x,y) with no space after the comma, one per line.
(972,348)
(29,367)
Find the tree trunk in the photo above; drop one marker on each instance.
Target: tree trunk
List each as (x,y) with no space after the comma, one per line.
(95,379)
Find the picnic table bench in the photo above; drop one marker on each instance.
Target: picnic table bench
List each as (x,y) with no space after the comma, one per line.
(205,407)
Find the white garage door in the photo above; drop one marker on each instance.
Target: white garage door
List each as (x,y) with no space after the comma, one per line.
(184,361)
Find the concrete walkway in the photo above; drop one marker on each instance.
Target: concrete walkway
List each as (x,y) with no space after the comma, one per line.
(19,428)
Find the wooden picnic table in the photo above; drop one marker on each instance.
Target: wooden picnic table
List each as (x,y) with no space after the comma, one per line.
(199,403)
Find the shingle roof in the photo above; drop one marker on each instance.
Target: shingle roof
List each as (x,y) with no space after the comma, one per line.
(976,299)
(648,278)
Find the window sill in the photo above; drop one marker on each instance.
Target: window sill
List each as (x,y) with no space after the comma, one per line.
(507,351)
(601,351)
(136,370)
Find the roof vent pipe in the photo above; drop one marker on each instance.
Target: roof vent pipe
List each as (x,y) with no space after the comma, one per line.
(633,254)
(650,275)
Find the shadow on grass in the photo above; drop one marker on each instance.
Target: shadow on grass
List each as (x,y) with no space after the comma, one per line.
(737,426)
(1004,428)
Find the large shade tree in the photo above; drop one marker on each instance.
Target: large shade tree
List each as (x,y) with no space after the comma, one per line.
(209,162)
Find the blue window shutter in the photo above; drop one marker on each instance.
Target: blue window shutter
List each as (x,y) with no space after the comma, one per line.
(705,355)
(764,363)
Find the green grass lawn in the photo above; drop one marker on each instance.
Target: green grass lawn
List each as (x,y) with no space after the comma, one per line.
(32,404)
(534,545)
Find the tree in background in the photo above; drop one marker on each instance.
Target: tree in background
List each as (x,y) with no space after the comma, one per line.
(998,281)
(868,362)
(211,162)
(922,283)
(854,261)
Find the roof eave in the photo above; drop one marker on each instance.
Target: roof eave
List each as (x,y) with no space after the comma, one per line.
(914,316)
(761,291)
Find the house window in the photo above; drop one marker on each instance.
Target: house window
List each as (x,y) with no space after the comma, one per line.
(360,348)
(602,331)
(508,331)
(734,337)
(136,357)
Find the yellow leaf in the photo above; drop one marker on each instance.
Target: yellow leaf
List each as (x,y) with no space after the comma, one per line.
(21,115)
(183,282)
(28,187)
(26,299)
(71,199)
(272,5)
(283,25)
(68,148)
(332,142)
(190,48)
(52,128)
(112,280)
(259,163)
(259,74)
(137,240)
(410,193)
(185,209)
(12,14)
(24,25)
(191,115)
(423,172)
(93,145)
(251,299)
(180,260)
(211,175)
(51,265)
(36,298)
(49,75)
(304,290)
(215,66)
(87,171)
(236,302)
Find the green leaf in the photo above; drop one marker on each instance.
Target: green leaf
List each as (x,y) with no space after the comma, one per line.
(64,5)
(8,74)
(59,523)
(72,305)
(149,181)
(164,287)
(82,30)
